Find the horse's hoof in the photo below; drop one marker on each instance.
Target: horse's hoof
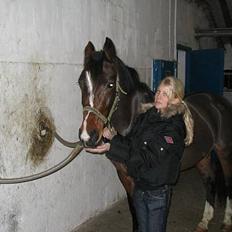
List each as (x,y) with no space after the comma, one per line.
(200,229)
(226,228)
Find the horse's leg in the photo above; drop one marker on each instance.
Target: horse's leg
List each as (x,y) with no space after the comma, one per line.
(133,213)
(226,164)
(206,171)
(128,184)
(227,226)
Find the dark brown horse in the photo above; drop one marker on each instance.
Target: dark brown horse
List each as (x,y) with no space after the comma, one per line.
(112,95)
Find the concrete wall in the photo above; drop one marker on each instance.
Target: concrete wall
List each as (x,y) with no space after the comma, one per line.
(189,17)
(41,54)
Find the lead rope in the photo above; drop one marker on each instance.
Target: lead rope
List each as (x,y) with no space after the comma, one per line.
(74,153)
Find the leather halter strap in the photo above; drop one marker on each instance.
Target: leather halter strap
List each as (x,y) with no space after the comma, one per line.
(107,120)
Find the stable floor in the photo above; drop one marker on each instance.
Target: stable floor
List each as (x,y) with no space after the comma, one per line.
(186,210)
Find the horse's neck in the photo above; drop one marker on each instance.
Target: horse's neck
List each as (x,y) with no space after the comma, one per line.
(127,111)
(121,125)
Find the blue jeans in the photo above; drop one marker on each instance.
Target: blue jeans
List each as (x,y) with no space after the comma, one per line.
(152,209)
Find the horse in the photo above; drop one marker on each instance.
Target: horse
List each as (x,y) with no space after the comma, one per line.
(113,96)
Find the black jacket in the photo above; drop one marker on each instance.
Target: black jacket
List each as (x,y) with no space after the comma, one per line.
(152,150)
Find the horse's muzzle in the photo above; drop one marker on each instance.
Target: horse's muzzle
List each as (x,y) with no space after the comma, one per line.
(90,139)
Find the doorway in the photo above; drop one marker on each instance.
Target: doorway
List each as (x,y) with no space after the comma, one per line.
(201,70)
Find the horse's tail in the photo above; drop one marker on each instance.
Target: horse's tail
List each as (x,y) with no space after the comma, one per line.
(220,186)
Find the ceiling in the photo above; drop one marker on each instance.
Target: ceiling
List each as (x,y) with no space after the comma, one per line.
(219,13)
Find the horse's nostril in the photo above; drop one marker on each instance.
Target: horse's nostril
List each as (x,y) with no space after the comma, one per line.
(94,136)
(89,139)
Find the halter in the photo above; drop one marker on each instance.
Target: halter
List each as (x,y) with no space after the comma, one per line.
(107,120)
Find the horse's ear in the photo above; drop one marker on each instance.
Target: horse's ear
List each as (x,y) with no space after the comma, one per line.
(109,49)
(89,49)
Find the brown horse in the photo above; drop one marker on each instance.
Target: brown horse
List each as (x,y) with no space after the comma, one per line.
(112,95)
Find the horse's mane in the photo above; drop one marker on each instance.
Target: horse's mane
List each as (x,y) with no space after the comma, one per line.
(134,74)
(131,82)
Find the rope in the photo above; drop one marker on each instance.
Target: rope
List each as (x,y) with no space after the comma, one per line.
(74,153)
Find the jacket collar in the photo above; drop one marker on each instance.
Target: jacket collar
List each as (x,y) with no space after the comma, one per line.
(171,110)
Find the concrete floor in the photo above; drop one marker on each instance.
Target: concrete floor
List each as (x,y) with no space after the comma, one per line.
(185,213)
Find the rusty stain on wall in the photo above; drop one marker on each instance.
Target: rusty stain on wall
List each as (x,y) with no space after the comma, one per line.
(42,137)
(24,92)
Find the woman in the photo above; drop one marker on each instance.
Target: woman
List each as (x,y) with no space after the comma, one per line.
(152,152)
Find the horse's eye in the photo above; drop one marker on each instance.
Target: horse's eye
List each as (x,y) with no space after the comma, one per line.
(110,85)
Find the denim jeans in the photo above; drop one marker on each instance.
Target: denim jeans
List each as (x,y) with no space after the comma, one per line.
(152,209)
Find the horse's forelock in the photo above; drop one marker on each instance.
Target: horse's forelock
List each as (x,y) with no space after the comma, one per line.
(98,56)
(95,61)
(128,77)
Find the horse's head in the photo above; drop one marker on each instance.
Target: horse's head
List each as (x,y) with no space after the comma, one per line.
(100,87)
(111,93)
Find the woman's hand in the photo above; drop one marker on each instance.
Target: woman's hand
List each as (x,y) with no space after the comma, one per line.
(99,149)
(109,134)
(103,148)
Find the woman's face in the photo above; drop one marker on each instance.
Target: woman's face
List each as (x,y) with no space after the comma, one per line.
(161,97)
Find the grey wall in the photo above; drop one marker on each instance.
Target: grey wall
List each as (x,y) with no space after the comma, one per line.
(189,17)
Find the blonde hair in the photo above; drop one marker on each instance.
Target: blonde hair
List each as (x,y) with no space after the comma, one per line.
(176,88)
